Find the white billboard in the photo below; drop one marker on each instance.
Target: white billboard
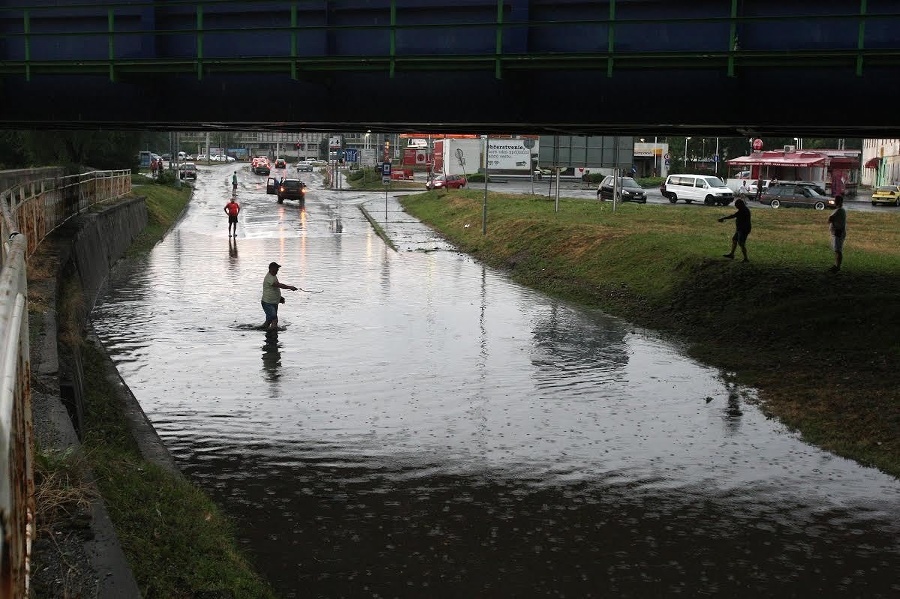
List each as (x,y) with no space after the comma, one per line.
(509,155)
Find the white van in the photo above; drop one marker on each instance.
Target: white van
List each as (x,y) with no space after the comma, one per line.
(697,188)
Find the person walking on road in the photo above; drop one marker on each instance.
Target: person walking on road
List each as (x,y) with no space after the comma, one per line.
(271,296)
(741,228)
(837,224)
(232,209)
(234,182)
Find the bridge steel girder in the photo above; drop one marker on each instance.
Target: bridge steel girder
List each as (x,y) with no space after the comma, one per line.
(719,67)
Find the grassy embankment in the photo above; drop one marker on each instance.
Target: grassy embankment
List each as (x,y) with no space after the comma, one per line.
(822,348)
(177,541)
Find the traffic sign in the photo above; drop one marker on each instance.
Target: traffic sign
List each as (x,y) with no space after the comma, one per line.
(668,162)
(666,157)
(351,155)
(386,169)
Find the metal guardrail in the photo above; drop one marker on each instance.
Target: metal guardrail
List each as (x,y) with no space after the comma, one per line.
(28,213)
(36,208)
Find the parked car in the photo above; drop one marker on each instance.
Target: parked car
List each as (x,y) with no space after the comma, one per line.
(287,189)
(201,157)
(187,171)
(795,195)
(886,194)
(305,167)
(629,190)
(751,185)
(446,182)
(697,188)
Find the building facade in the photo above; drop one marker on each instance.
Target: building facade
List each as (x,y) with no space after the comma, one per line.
(881,162)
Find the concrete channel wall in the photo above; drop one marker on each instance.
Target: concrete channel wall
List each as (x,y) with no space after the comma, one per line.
(87,248)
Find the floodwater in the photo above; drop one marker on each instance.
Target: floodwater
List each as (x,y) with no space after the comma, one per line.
(422,427)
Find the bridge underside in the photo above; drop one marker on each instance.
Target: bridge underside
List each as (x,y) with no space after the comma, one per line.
(716,67)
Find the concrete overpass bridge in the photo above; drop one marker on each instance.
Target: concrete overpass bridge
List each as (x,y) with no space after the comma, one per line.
(714,67)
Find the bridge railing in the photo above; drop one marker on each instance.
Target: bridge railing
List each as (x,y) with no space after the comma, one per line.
(28,213)
(38,207)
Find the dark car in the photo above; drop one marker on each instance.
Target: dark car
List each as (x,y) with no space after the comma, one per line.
(815,186)
(795,195)
(291,189)
(187,171)
(446,182)
(629,190)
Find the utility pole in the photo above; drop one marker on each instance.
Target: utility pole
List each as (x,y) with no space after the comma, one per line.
(487,145)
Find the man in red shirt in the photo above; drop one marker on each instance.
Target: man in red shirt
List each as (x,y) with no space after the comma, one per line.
(232,209)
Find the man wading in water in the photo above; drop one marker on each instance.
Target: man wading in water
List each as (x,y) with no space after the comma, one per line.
(271,296)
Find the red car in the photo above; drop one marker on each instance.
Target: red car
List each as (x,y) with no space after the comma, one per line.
(446,182)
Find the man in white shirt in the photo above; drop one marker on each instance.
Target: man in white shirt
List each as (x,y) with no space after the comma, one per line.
(271,296)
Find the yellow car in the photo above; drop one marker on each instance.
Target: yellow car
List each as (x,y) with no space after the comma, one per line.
(886,194)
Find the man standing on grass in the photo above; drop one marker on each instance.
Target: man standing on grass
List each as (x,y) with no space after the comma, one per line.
(741,228)
(837,223)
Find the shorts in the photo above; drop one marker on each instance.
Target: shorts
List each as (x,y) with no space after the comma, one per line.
(271,311)
(740,237)
(837,243)
(232,219)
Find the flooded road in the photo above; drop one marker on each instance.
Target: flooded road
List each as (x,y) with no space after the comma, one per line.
(422,427)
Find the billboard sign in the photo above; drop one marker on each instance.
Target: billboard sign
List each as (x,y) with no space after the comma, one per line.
(509,155)
(579,151)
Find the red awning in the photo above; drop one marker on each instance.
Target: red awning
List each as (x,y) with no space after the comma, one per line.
(844,162)
(872,162)
(782,160)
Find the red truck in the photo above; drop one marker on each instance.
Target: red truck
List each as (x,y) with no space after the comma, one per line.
(402,173)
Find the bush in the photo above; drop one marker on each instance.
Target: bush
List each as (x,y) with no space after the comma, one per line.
(166,177)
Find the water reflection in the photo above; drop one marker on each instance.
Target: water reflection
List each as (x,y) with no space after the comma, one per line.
(271,356)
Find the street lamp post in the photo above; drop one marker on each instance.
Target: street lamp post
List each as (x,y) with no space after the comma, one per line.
(686,139)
